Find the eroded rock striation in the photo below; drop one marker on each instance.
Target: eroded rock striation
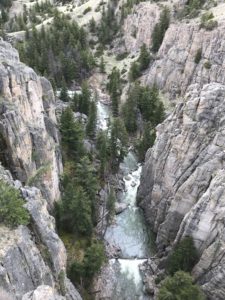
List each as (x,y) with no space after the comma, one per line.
(182,186)
(29,138)
(32,258)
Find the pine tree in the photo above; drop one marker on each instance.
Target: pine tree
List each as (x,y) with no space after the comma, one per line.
(93,259)
(118,142)
(102,148)
(102,65)
(85,97)
(144,58)
(134,72)
(92,120)
(75,211)
(92,25)
(180,286)
(147,140)
(160,29)
(85,177)
(183,257)
(129,110)
(114,88)
(72,136)
(64,96)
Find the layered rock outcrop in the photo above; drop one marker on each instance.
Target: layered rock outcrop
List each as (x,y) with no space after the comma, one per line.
(29,138)
(33,258)
(182,186)
(139,25)
(176,67)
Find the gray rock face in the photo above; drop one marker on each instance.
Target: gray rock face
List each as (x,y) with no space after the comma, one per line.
(139,25)
(43,292)
(182,182)
(175,67)
(30,258)
(28,132)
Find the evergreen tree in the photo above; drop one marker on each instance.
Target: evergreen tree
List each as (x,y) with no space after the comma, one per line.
(60,50)
(86,177)
(144,58)
(91,264)
(72,136)
(64,96)
(118,142)
(92,120)
(114,88)
(75,211)
(150,105)
(183,257)
(102,65)
(92,25)
(84,99)
(102,148)
(12,211)
(180,286)
(93,259)
(129,110)
(160,29)
(76,102)
(134,72)
(147,140)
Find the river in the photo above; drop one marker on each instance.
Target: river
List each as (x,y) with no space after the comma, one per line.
(128,230)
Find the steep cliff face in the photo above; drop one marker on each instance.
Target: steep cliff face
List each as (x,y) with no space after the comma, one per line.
(28,133)
(33,258)
(139,25)
(182,183)
(175,67)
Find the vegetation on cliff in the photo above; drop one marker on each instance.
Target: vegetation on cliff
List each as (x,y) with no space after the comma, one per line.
(181,287)
(12,210)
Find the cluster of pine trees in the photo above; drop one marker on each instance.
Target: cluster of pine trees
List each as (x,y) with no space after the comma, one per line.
(143,101)
(77,212)
(32,16)
(108,26)
(160,29)
(59,51)
(179,283)
(142,63)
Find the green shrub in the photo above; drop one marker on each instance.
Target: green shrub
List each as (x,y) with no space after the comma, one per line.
(61,279)
(181,287)
(87,10)
(91,264)
(183,257)
(191,9)
(198,56)
(207,65)
(207,21)
(144,57)
(160,29)
(121,56)
(134,72)
(12,211)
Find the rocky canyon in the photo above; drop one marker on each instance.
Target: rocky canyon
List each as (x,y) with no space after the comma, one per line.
(112,131)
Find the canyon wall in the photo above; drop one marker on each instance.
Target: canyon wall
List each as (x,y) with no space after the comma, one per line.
(32,258)
(28,132)
(182,187)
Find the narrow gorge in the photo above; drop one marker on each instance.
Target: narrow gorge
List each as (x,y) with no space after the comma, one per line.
(112,150)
